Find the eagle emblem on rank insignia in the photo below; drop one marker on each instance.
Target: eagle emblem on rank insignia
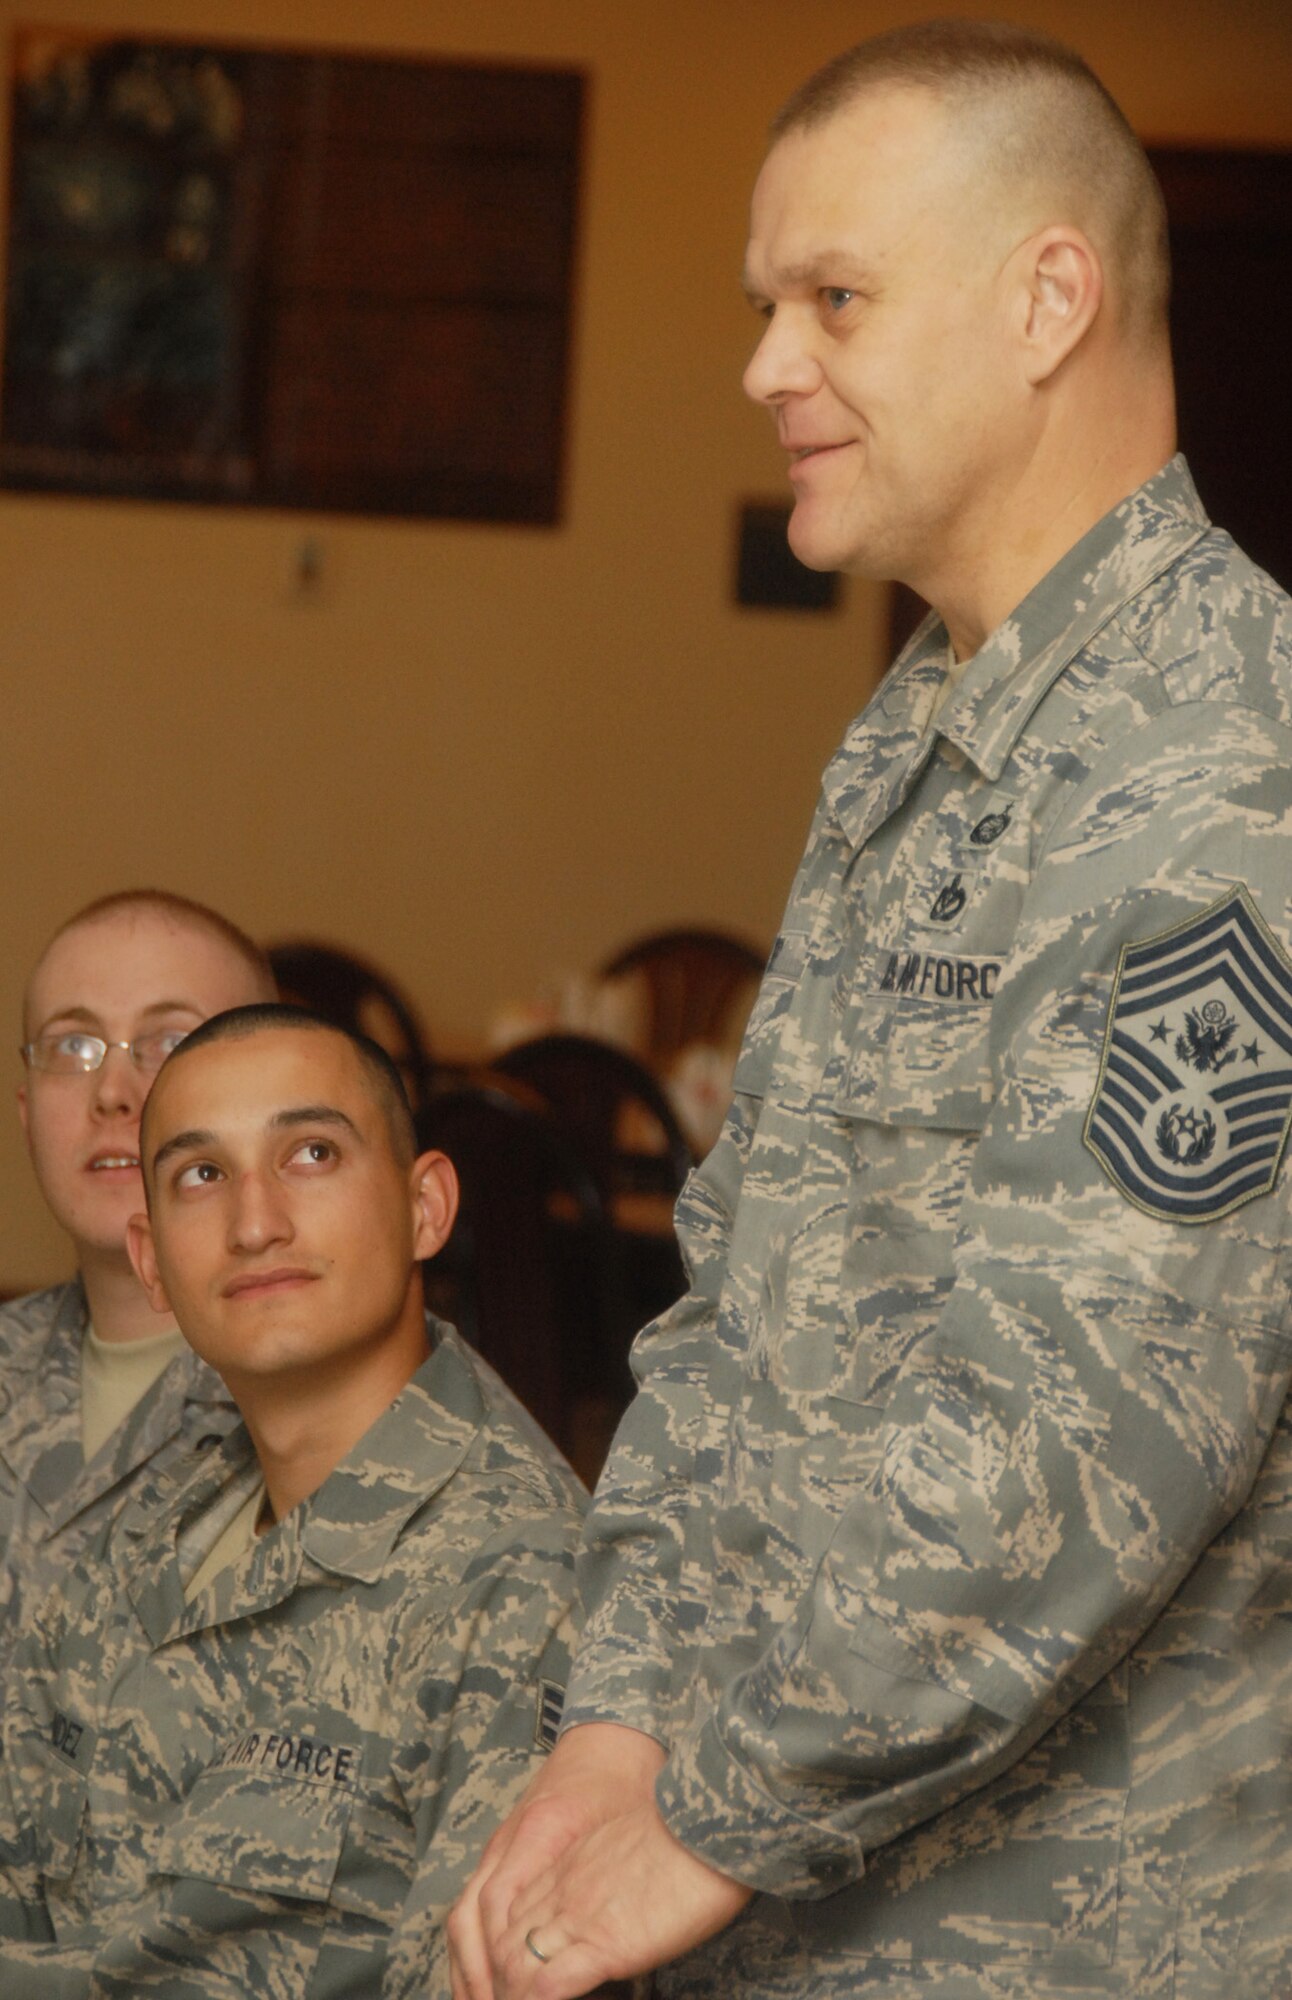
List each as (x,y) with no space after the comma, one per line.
(1193,1105)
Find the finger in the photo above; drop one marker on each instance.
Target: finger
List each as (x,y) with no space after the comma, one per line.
(535,1900)
(494,1854)
(575,1969)
(527,1957)
(469,1967)
(511,1890)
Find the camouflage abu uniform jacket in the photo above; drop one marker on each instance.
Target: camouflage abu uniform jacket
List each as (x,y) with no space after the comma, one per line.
(948,1545)
(53,1506)
(278,1789)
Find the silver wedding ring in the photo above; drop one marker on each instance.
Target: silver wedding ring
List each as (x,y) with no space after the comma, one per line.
(541,1956)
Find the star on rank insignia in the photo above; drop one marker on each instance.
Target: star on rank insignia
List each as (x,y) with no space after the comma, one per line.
(1193,1106)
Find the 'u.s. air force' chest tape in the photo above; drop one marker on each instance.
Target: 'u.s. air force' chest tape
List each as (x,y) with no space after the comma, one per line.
(1193,1103)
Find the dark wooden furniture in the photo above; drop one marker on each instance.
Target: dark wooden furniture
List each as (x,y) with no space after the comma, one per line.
(614,1110)
(616,1115)
(529,1273)
(350,990)
(696,980)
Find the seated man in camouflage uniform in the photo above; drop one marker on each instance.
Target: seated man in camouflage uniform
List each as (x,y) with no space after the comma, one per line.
(259,1745)
(95,1390)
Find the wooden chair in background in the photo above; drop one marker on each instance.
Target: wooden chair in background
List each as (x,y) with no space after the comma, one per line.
(356,994)
(529,1274)
(697,982)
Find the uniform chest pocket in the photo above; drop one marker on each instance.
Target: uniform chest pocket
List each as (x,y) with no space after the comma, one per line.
(922,1058)
(272,1833)
(915,1092)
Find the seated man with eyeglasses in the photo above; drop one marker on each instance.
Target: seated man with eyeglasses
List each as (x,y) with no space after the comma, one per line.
(256,1746)
(95,1390)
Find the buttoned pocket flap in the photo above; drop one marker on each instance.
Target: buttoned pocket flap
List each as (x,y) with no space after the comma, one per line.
(921,1056)
(271,1832)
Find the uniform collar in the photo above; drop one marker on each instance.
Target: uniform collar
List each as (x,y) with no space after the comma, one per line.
(1016,666)
(59,1355)
(889,742)
(42,1443)
(1011,672)
(350,1526)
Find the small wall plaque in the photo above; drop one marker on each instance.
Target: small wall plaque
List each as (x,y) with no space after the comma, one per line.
(769,576)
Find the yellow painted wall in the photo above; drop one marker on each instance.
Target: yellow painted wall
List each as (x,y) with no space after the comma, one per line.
(481,754)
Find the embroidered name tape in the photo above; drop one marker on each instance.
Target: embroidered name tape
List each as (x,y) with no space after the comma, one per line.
(293,1756)
(1193,1105)
(72,1739)
(933,975)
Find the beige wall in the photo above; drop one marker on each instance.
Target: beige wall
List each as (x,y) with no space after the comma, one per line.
(482,754)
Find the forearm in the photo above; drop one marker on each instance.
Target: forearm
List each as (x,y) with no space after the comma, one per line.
(955,1617)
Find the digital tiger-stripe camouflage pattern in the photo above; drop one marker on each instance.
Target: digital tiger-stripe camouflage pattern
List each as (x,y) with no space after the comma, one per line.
(948,1544)
(53,1506)
(279,1789)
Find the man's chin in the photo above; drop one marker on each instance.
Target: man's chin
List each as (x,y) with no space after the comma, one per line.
(810,552)
(101,1242)
(817,543)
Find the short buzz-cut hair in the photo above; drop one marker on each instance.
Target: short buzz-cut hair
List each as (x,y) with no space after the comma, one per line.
(178,910)
(236,1024)
(1040,117)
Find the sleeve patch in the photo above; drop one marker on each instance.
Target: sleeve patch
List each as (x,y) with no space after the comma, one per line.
(547,1721)
(1193,1103)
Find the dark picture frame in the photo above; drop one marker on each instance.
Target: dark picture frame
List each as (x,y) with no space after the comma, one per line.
(289,278)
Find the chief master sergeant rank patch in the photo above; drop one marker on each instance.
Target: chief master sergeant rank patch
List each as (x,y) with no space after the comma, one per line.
(1193,1105)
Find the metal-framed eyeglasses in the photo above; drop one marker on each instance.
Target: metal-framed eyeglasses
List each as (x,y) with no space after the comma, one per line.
(75,1054)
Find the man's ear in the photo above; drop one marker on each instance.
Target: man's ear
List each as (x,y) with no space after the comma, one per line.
(143,1255)
(434,1184)
(1061,291)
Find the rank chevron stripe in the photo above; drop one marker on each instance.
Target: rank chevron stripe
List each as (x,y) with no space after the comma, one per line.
(1182,1138)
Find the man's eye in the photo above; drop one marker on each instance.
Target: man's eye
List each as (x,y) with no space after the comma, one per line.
(202,1173)
(837,297)
(77,1048)
(151,1051)
(314,1153)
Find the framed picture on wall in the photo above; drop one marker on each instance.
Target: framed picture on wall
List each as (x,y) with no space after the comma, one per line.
(289,278)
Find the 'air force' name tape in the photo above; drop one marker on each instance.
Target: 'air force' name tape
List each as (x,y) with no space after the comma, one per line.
(934,975)
(294,1756)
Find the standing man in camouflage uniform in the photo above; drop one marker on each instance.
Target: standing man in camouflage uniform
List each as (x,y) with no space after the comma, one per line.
(95,1391)
(939,1597)
(257,1747)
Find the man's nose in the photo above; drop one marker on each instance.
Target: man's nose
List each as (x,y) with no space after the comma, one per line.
(783,363)
(120,1086)
(258,1214)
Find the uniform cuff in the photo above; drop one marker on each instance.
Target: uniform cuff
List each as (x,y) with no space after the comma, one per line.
(594,1697)
(714,1805)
